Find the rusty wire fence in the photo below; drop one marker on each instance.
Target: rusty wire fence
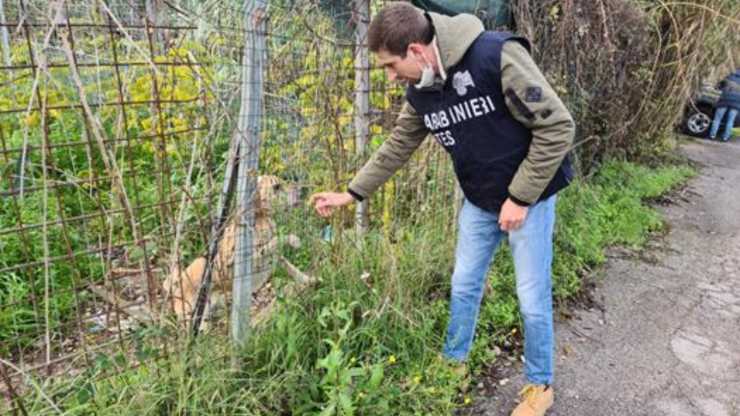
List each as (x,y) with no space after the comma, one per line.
(111,127)
(118,125)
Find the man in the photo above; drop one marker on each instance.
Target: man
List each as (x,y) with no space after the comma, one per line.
(485,101)
(729,103)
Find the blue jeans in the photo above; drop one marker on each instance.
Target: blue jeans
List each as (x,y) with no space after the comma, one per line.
(719,114)
(531,245)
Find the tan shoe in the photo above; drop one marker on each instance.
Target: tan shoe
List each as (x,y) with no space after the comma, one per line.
(535,400)
(461,370)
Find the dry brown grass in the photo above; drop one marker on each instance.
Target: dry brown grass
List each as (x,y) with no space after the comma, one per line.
(627,67)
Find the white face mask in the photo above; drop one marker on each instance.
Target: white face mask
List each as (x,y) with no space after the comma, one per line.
(429,80)
(427,77)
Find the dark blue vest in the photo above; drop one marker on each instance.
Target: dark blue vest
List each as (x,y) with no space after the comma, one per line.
(469,118)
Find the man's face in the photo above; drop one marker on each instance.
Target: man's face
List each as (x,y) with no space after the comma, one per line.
(400,69)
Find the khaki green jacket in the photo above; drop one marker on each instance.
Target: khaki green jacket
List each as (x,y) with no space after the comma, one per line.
(552,135)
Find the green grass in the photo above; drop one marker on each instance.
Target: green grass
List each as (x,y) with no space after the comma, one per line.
(368,345)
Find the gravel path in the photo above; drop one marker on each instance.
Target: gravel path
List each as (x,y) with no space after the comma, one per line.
(664,335)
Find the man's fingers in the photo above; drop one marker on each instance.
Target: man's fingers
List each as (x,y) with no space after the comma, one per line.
(325,211)
(325,203)
(510,225)
(316,197)
(323,206)
(504,226)
(320,206)
(320,202)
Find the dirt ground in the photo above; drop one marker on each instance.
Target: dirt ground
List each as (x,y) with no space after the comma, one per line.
(662,336)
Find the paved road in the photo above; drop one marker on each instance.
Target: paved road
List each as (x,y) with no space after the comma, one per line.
(664,338)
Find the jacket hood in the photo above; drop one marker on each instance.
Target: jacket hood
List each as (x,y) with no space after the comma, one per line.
(455,35)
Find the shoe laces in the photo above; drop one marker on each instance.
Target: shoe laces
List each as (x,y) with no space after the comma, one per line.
(529,393)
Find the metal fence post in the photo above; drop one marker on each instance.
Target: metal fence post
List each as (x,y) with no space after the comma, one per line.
(250,116)
(362,98)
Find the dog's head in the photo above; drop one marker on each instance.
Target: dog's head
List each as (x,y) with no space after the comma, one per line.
(268,187)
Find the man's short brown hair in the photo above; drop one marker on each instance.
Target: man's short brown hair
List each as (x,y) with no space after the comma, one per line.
(396,26)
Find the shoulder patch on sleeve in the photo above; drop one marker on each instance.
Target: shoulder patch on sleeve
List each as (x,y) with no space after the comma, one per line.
(520,106)
(533,94)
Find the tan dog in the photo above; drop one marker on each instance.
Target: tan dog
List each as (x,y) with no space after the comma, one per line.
(182,285)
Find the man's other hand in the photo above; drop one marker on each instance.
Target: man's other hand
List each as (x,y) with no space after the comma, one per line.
(325,202)
(512,215)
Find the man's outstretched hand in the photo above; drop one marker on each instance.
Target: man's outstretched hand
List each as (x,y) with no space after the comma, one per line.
(325,202)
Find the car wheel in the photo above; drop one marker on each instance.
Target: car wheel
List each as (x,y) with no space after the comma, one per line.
(697,124)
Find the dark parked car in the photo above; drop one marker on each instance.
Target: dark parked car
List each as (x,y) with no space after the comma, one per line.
(699,112)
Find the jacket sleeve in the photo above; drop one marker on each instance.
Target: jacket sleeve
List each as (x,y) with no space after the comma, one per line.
(533,102)
(407,135)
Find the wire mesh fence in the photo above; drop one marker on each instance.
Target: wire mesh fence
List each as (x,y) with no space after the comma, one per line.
(120,125)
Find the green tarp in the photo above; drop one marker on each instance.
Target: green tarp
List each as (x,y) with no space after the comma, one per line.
(493,13)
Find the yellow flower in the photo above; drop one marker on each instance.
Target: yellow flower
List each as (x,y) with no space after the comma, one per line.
(32,120)
(468,400)
(392,359)
(417,379)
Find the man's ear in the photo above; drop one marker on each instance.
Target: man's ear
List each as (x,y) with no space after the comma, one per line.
(415,49)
